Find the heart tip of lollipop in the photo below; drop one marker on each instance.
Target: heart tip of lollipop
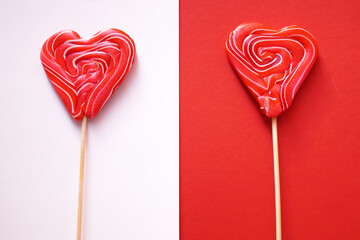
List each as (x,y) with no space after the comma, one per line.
(270,107)
(79,118)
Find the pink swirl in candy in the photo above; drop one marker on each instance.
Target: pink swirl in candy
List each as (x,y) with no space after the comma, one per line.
(86,72)
(271,63)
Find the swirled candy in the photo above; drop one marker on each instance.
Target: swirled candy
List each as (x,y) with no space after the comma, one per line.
(86,72)
(271,63)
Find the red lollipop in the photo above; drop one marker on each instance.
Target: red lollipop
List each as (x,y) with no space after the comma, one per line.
(85,73)
(272,64)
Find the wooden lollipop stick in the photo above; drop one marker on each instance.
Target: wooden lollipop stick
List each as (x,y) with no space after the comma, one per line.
(276,178)
(81,179)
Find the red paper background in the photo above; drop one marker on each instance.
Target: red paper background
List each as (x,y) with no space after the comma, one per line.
(226,169)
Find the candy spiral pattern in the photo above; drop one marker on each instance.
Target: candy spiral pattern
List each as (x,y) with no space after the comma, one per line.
(271,63)
(86,72)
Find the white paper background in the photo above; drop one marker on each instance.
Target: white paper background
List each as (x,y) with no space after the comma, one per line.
(131,183)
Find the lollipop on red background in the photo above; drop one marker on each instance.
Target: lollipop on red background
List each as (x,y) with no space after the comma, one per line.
(85,73)
(272,64)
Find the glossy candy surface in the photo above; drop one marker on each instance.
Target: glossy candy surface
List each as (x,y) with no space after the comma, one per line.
(271,63)
(86,72)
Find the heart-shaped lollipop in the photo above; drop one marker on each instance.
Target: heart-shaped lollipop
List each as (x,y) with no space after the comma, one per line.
(86,72)
(271,63)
